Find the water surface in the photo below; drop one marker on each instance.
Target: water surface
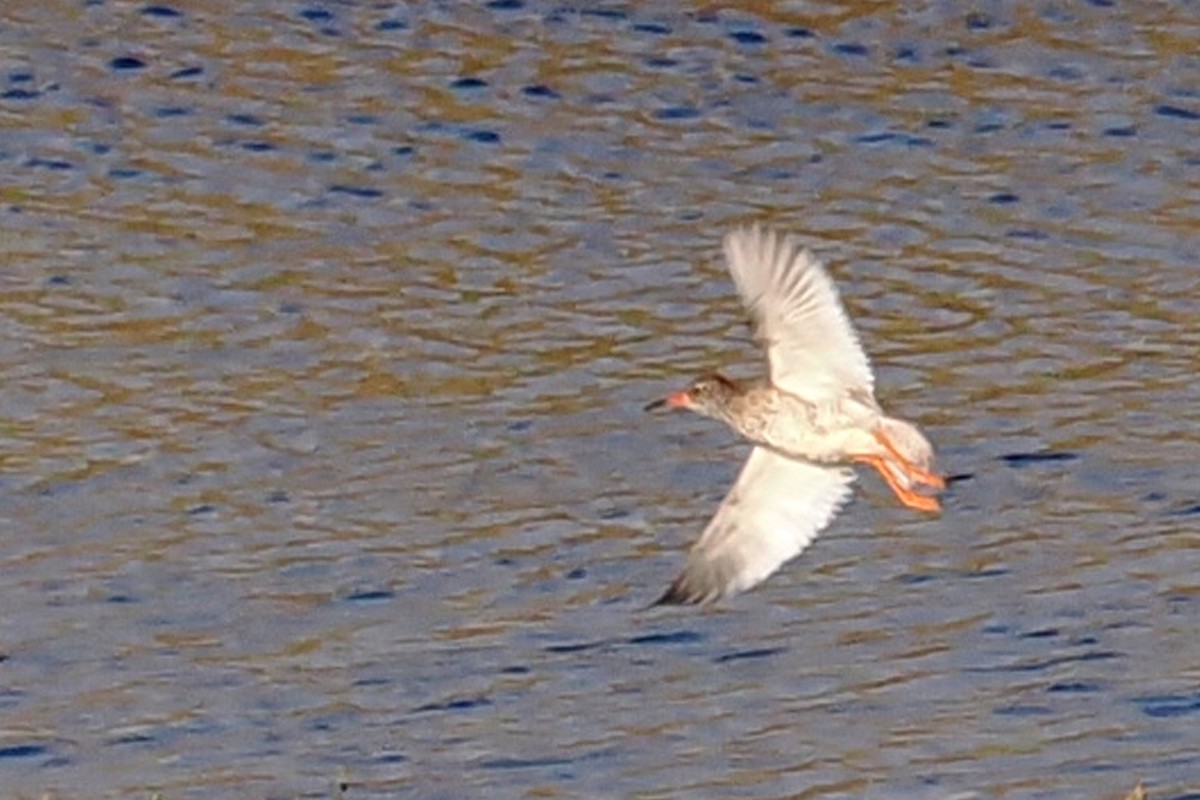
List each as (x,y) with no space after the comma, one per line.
(326,331)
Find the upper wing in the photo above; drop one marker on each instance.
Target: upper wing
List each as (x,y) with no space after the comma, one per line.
(775,509)
(812,349)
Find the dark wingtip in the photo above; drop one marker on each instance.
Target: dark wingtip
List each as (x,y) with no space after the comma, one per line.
(679,593)
(673,596)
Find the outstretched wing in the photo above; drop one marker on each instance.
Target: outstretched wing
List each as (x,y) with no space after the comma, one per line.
(812,348)
(775,509)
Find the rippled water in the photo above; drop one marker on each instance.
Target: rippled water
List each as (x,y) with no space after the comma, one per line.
(326,331)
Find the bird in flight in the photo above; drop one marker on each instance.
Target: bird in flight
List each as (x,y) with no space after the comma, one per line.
(813,416)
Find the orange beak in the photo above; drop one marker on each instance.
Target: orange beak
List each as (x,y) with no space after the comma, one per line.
(674,400)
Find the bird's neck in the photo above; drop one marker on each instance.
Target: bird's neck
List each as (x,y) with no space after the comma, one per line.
(729,396)
(747,408)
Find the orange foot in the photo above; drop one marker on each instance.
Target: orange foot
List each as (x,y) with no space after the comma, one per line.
(907,496)
(913,472)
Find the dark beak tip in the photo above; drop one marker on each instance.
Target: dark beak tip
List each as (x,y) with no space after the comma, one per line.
(662,401)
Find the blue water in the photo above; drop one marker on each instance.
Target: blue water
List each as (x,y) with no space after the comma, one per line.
(327,334)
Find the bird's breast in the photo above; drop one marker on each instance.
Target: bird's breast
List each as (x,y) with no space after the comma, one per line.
(814,433)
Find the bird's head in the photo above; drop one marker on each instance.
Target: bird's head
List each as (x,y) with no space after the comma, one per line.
(709,395)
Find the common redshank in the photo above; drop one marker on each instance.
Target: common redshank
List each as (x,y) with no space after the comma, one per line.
(813,416)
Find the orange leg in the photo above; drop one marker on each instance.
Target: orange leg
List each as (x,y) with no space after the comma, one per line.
(907,496)
(912,470)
